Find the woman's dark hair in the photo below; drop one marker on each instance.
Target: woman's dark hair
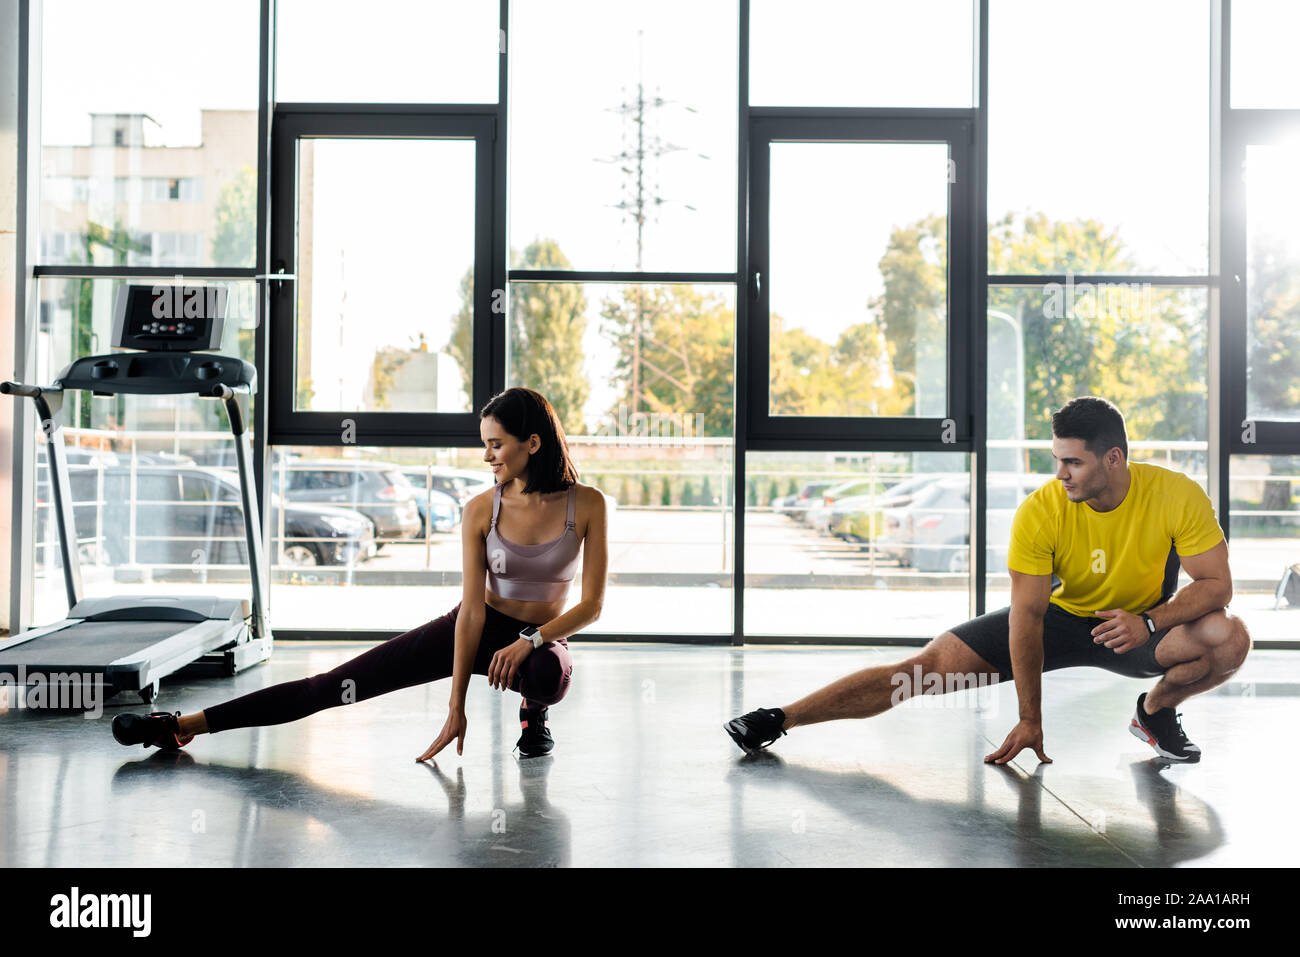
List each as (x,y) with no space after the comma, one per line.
(1095,420)
(523,412)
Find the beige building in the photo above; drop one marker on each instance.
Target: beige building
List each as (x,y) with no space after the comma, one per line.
(165,197)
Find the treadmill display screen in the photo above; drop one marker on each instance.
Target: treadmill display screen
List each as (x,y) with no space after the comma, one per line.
(169,318)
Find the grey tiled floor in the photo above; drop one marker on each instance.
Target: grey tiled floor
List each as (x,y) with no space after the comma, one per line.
(644,775)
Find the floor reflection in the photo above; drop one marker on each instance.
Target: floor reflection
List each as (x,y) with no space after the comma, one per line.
(280,814)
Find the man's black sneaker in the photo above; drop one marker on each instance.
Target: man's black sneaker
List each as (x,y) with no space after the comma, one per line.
(536,739)
(158,729)
(756,730)
(1164,732)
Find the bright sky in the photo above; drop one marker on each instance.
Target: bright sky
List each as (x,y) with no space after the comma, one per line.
(1101,115)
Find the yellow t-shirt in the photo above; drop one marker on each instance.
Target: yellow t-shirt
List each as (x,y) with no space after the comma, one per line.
(1112,559)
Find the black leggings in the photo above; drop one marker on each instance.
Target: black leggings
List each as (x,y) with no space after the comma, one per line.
(421,655)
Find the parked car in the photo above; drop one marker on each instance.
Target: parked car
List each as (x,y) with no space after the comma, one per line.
(932,531)
(180,511)
(446,510)
(819,513)
(312,534)
(460,484)
(155,458)
(377,490)
(797,507)
(852,518)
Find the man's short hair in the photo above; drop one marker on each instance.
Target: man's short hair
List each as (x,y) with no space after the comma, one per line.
(1095,420)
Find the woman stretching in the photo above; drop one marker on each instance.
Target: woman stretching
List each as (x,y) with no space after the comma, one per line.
(511,627)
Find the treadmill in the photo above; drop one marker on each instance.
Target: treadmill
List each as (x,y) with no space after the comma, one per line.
(131,643)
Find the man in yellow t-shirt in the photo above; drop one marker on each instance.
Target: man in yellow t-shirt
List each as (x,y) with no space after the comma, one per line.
(1114,533)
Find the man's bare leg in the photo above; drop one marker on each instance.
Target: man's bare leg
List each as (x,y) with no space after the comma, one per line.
(874,690)
(1203,653)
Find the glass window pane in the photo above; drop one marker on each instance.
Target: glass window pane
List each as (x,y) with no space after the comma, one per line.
(1273,282)
(669,516)
(627,360)
(407,51)
(1100,170)
(850,53)
(1263,54)
(385,275)
(642,378)
(828,531)
(1048,344)
(638,169)
(876,346)
(137,465)
(1265,526)
(142,168)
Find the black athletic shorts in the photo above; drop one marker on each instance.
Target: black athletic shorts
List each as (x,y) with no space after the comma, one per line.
(1067,643)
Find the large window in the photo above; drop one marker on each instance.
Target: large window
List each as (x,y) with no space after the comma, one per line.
(849,53)
(1273,281)
(843,545)
(148,162)
(405,51)
(623,133)
(1103,168)
(153,483)
(900,243)
(1263,65)
(1265,544)
(365,342)
(642,378)
(385,224)
(859,255)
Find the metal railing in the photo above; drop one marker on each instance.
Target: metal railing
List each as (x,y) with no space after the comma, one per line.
(877,472)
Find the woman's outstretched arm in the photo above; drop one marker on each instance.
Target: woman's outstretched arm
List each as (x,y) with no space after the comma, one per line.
(469,620)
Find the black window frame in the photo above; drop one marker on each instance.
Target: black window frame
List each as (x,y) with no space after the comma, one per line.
(956,128)
(1243,129)
(292,122)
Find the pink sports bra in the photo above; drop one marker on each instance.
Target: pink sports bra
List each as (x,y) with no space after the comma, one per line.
(532,572)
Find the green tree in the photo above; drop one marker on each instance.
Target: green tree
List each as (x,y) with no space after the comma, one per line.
(912,306)
(645,491)
(461,345)
(1143,348)
(677,343)
(688,493)
(234,234)
(547,322)
(78,298)
(666,495)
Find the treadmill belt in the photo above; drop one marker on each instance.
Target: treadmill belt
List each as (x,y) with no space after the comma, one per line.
(100,641)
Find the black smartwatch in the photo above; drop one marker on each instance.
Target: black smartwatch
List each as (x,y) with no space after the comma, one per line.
(1151,625)
(533,634)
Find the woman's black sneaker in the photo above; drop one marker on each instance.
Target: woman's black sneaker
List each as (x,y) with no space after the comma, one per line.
(536,739)
(1164,732)
(756,730)
(159,729)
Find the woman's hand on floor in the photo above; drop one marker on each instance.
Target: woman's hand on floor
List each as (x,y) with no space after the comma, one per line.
(453,729)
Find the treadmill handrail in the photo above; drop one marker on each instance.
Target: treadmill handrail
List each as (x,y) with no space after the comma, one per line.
(24,390)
